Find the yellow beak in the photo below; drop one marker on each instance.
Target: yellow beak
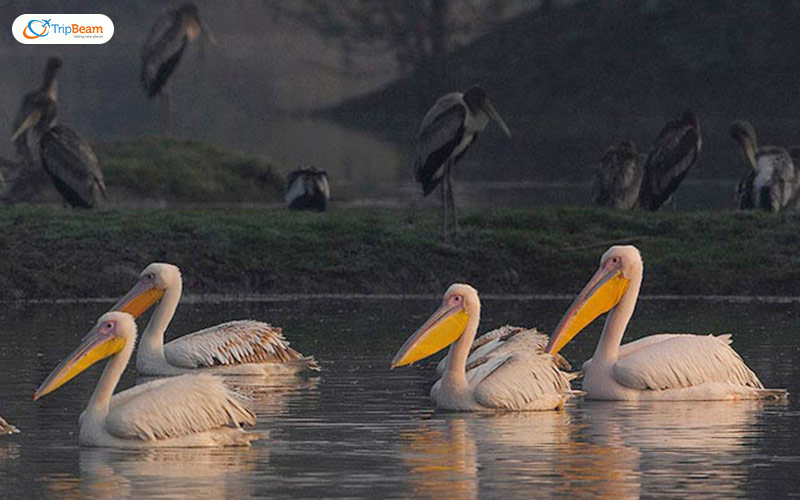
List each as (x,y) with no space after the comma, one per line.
(443,328)
(94,347)
(139,299)
(601,294)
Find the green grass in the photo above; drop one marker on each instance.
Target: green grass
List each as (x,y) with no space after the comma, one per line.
(186,171)
(52,253)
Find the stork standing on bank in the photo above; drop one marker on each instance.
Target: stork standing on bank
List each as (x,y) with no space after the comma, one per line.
(618,178)
(164,47)
(770,182)
(65,155)
(30,124)
(447,131)
(673,155)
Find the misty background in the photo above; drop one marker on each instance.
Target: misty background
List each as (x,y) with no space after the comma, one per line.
(345,84)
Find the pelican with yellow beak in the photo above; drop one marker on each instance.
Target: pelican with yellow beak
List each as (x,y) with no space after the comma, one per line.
(515,379)
(186,411)
(658,367)
(242,347)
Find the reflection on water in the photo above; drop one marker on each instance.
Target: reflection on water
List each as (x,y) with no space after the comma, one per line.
(360,430)
(441,462)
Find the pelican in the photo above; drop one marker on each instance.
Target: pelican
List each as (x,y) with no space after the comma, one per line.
(164,47)
(186,411)
(234,348)
(770,182)
(447,131)
(30,123)
(504,340)
(619,177)
(307,189)
(673,154)
(518,379)
(6,428)
(658,367)
(67,158)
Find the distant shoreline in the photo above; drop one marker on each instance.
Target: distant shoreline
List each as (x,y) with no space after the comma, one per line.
(51,253)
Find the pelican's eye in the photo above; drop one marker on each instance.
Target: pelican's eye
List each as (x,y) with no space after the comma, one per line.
(107,327)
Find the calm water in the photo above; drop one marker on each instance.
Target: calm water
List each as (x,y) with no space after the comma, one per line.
(359,430)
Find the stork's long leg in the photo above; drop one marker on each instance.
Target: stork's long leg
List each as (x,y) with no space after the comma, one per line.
(444,203)
(452,201)
(163,97)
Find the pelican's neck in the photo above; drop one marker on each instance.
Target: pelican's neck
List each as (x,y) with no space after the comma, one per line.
(617,321)
(152,341)
(459,352)
(101,397)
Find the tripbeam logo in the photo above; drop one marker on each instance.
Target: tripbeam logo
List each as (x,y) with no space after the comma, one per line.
(62,28)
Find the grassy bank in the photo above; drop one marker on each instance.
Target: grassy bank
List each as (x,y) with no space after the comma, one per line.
(52,253)
(156,169)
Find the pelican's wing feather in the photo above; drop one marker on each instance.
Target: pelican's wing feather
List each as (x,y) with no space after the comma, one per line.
(500,341)
(441,132)
(684,361)
(519,381)
(174,407)
(231,343)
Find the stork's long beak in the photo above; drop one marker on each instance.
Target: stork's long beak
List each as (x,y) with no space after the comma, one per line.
(206,32)
(601,294)
(29,122)
(494,115)
(750,150)
(443,328)
(139,299)
(94,347)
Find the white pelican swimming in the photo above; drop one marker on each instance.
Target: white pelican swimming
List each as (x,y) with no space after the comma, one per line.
(665,366)
(186,411)
(242,347)
(518,379)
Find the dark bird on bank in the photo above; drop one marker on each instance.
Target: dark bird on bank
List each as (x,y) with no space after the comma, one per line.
(164,47)
(669,161)
(68,159)
(307,189)
(618,177)
(29,125)
(447,131)
(770,183)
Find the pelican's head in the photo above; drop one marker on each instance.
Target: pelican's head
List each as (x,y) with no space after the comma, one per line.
(113,331)
(476,99)
(618,267)
(745,135)
(443,328)
(153,282)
